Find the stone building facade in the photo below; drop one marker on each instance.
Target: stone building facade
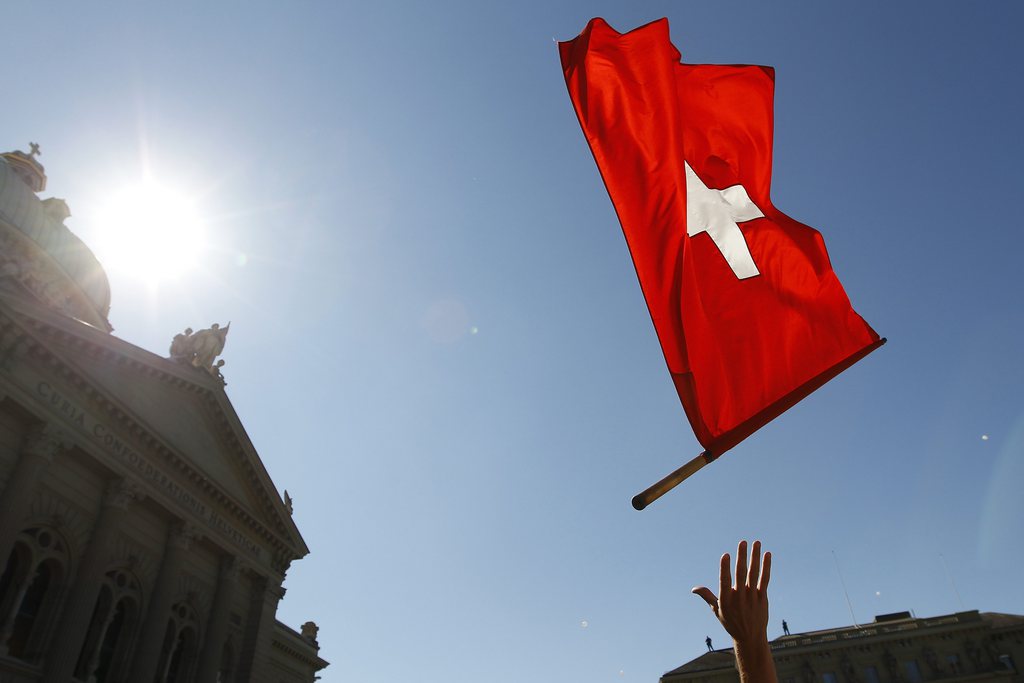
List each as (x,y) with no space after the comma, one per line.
(140,535)
(896,648)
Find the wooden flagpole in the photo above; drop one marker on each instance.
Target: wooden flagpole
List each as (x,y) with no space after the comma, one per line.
(656,491)
(751,425)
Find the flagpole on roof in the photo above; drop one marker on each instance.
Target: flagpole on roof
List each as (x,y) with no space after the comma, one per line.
(656,491)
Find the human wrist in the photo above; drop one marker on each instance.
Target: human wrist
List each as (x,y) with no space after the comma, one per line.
(754,660)
(751,646)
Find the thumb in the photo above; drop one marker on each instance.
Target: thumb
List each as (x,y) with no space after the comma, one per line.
(709,597)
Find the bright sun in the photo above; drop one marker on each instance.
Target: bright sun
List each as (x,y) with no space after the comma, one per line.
(151,232)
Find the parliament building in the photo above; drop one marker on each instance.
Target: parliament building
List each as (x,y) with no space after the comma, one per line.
(142,539)
(965,647)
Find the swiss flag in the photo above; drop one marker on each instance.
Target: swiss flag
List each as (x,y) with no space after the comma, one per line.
(749,314)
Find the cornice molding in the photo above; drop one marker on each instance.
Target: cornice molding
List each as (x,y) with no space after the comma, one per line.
(305,657)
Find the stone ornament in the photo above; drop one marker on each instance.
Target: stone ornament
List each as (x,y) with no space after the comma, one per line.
(122,493)
(184,535)
(56,210)
(199,349)
(232,568)
(27,167)
(310,631)
(46,441)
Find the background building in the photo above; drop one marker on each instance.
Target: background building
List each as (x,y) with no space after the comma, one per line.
(895,648)
(141,536)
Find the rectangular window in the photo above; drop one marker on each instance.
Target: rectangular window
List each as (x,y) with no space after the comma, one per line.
(913,671)
(871,675)
(1007,662)
(829,677)
(954,663)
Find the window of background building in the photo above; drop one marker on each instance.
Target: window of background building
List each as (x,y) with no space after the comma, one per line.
(913,671)
(1007,662)
(829,677)
(871,674)
(954,663)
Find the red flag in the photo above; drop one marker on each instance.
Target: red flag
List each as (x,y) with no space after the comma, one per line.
(749,314)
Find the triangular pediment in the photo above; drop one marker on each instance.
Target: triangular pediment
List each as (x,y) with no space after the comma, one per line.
(182,418)
(179,410)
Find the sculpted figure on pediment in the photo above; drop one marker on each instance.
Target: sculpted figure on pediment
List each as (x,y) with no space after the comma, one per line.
(181,346)
(208,344)
(201,348)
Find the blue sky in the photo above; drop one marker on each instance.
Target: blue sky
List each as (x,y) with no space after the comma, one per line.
(439,347)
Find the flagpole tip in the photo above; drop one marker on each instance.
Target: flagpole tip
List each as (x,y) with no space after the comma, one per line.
(656,491)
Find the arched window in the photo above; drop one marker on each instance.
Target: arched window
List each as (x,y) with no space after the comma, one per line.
(104,654)
(113,642)
(181,644)
(104,601)
(28,610)
(13,579)
(165,650)
(182,657)
(31,583)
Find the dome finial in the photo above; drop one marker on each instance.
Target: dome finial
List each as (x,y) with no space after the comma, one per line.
(26,167)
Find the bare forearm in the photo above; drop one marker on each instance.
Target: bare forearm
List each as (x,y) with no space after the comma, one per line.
(754,661)
(743,610)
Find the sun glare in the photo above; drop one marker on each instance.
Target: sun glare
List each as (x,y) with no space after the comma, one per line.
(151,232)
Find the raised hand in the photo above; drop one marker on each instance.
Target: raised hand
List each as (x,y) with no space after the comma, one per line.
(743,610)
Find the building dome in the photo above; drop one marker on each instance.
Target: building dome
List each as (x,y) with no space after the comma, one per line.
(39,256)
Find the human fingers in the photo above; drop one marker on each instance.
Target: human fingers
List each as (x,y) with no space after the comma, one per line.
(755,564)
(724,577)
(709,597)
(766,572)
(741,563)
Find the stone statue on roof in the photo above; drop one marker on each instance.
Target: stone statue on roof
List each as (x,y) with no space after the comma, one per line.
(199,349)
(208,344)
(310,631)
(181,347)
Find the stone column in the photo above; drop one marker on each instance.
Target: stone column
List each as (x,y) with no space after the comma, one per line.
(74,621)
(41,446)
(259,630)
(217,623)
(147,652)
